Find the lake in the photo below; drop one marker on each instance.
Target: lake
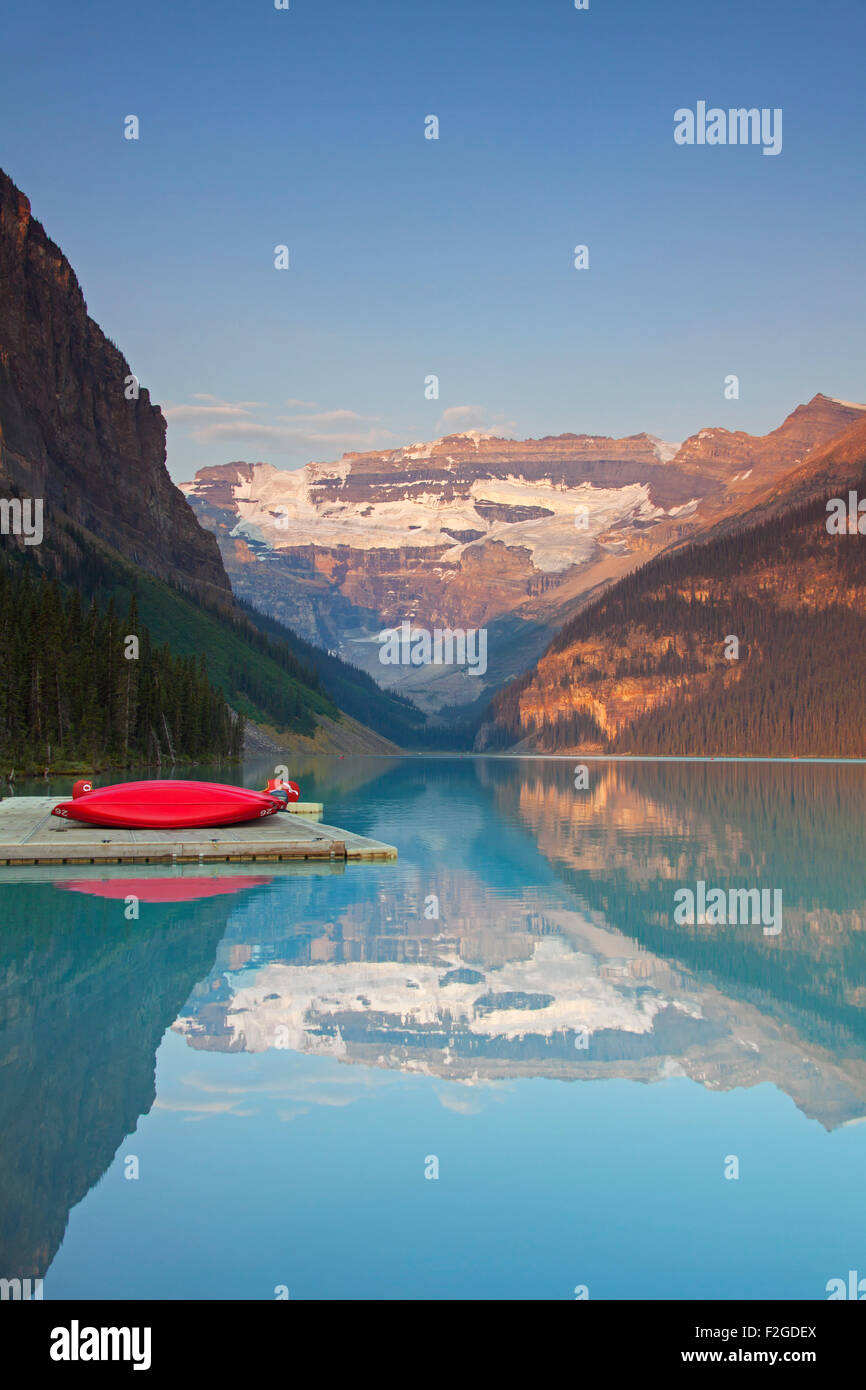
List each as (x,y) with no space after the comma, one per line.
(504,1066)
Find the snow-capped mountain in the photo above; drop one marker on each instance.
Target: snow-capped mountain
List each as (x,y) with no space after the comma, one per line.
(473,531)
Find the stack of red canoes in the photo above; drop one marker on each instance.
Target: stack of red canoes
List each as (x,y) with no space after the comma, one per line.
(174,805)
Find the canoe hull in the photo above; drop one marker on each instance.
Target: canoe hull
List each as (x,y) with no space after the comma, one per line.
(167,805)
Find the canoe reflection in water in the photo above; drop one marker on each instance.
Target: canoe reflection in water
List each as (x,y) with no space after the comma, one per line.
(163,890)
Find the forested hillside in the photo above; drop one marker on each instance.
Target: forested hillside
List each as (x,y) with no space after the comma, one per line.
(356,693)
(82,686)
(753,642)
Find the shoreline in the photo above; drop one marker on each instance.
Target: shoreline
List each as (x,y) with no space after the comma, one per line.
(624,757)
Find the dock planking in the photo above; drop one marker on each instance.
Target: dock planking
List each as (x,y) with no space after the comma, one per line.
(29,834)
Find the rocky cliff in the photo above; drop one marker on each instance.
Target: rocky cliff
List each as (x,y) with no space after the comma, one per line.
(68,433)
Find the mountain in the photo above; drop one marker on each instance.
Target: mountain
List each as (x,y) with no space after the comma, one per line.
(651,666)
(81,437)
(68,434)
(473,531)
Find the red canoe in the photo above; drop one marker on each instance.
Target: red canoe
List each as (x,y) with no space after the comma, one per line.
(166,805)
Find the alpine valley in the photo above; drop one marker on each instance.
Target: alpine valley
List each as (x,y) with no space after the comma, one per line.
(605,575)
(473,531)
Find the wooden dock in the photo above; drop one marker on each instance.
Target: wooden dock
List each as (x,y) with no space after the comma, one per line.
(29,834)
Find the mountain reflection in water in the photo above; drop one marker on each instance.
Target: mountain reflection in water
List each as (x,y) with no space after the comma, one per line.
(584,974)
(526,931)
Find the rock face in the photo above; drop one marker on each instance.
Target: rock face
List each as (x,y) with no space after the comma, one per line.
(474,531)
(710,452)
(68,434)
(751,642)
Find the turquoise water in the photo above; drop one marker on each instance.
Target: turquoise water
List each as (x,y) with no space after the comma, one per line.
(245,1092)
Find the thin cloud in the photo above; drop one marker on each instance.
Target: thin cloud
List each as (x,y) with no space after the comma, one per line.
(302,436)
(326,417)
(215,410)
(311,432)
(218,400)
(286,439)
(457,419)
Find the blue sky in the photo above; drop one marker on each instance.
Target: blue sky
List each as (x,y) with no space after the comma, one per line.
(410,256)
